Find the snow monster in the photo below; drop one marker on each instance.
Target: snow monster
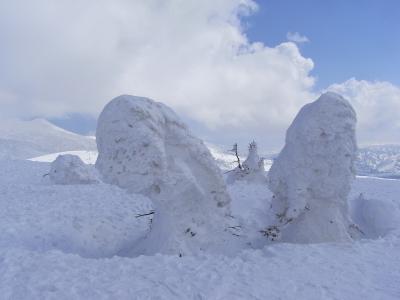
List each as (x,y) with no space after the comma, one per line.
(144,147)
(311,177)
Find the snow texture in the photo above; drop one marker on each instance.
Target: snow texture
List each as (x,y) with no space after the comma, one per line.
(312,175)
(70,169)
(89,220)
(144,147)
(85,265)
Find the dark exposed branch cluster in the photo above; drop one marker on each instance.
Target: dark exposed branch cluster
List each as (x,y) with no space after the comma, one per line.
(235,151)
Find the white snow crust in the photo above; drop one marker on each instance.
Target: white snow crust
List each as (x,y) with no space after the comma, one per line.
(312,175)
(144,147)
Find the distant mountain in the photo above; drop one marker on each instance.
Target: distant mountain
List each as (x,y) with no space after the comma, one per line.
(27,139)
(379,161)
(43,141)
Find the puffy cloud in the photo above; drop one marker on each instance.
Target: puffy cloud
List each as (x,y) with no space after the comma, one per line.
(66,56)
(296,37)
(378,109)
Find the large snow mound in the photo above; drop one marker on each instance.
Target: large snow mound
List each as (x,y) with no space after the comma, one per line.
(312,175)
(144,147)
(27,139)
(70,169)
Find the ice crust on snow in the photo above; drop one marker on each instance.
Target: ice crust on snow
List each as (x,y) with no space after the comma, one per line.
(144,147)
(312,175)
(70,169)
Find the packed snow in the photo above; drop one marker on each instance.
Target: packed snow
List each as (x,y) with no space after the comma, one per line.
(83,239)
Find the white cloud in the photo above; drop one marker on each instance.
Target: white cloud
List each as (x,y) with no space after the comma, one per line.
(378,109)
(73,56)
(296,37)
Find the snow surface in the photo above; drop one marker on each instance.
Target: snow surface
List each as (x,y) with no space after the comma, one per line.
(312,175)
(144,147)
(89,269)
(96,220)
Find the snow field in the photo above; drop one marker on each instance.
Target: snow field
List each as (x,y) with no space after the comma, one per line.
(93,220)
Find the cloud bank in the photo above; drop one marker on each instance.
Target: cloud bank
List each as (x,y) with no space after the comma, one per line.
(68,56)
(74,56)
(378,109)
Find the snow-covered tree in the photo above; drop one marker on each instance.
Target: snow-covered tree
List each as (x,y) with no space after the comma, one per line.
(145,148)
(312,176)
(70,169)
(252,169)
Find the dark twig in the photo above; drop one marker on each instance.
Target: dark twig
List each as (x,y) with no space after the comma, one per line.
(143,215)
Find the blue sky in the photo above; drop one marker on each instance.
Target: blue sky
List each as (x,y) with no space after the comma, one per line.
(348,38)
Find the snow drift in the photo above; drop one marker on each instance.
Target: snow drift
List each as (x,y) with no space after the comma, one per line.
(145,148)
(312,176)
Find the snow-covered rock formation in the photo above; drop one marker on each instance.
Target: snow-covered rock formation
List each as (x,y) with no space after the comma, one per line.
(145,148)
(252,168)
(70,169)
(312,176)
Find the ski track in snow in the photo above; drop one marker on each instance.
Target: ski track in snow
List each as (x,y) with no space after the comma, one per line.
(366,269)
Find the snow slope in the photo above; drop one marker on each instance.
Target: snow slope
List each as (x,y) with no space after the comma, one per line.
(27,139)
(45,268)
